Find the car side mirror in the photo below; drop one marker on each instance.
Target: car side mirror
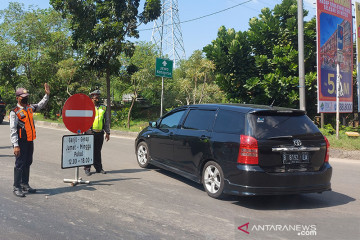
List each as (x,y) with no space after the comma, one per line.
(152,124)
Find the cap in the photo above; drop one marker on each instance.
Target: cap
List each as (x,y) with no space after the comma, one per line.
(96,92)
(22,92)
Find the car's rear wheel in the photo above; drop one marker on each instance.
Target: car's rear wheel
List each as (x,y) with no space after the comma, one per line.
(213,179)
(142,155)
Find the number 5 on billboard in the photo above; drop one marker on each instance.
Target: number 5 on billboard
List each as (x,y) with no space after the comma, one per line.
(332,83)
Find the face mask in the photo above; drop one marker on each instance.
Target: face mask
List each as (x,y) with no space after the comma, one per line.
(96,100)
(24,100)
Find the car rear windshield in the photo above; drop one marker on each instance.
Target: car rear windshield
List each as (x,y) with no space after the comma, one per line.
(265,126)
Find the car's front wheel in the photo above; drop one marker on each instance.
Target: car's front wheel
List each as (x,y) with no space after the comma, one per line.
(142,155)
(213,179)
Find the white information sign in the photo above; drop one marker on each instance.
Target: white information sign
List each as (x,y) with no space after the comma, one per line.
(77,150)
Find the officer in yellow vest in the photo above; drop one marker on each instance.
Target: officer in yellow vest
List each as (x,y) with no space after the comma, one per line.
(100,126)
(22,135)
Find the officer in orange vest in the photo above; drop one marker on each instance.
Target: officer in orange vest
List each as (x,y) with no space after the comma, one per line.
(22,135)
(100,125)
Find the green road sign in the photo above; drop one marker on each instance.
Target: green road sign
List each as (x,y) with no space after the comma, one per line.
(164,68)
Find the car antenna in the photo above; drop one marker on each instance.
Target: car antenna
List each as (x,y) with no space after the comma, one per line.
(272,104)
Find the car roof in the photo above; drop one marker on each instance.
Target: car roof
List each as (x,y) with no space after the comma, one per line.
(242,107)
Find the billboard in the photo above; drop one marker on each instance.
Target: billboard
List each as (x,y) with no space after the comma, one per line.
(357,16)
(334,46)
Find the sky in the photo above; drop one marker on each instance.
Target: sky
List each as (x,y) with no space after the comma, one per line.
(328,25)
(199,33)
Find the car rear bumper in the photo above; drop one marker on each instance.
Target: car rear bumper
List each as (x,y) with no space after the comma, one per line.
(253,180)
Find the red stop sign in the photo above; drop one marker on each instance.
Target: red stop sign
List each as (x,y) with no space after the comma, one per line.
(78,113)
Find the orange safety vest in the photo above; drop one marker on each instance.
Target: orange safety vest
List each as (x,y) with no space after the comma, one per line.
(26,126)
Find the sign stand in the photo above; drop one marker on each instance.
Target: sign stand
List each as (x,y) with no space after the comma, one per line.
(77,180)
(77,150)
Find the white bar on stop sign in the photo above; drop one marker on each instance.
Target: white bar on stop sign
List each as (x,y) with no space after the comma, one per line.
(78,113)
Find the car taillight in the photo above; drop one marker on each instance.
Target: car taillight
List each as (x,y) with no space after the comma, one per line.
(327,155)
(2,103)
(248,152)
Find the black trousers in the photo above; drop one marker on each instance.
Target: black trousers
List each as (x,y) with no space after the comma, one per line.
(98,143)
(25,159)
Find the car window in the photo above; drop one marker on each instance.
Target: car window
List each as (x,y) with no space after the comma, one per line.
(171,121)
(199,120)
(263,127)
(229,122)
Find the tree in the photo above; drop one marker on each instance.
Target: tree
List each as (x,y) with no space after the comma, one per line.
(102,29)
(32,42)
(140,69)
(264,61)
(231,53)
(194,81)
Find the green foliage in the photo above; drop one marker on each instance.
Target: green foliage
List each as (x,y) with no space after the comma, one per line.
(232,55)
(328,130)
(194,82)
(254,66)
(119,118)
(101,30)
(32,43)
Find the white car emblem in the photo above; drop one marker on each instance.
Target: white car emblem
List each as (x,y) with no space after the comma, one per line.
(297,143)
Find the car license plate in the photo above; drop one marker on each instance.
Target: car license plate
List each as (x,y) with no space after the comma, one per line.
(291,158)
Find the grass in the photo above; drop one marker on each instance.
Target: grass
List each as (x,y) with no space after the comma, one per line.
(135,125)
(344,142)
(40,117)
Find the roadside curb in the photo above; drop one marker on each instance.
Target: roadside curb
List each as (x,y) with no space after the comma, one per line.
(62,126)
(339,153)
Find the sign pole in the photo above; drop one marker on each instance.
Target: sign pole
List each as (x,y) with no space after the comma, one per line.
(301,56)
(162,96)
(163,68)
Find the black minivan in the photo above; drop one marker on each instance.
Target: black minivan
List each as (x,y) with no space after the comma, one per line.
(239,149)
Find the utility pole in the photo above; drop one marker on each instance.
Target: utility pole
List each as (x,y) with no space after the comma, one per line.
(301,55)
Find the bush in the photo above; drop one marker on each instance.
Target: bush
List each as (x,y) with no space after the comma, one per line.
(328,130)
(119,118)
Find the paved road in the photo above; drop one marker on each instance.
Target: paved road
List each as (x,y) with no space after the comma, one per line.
(134,203)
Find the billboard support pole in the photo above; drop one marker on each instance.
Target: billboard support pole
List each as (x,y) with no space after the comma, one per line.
(337,98)
(357,11)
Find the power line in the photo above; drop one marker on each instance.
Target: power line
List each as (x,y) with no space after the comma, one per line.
(208,15)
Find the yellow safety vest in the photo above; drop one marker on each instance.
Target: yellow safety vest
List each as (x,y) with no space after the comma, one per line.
(99,118)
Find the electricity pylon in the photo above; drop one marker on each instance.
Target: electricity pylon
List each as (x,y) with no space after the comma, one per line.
(167,32)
